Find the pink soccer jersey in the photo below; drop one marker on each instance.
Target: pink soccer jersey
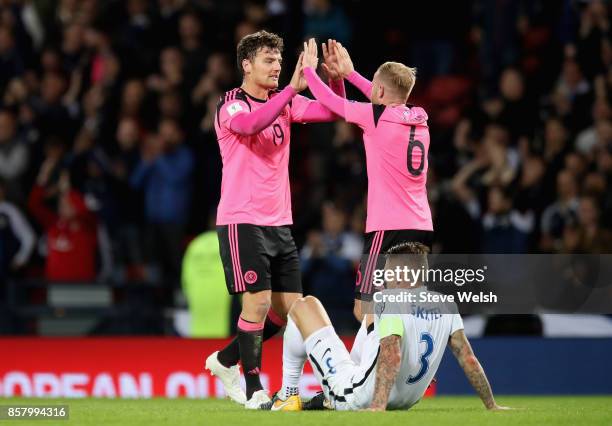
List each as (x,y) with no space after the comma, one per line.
(396,141)
(255,182)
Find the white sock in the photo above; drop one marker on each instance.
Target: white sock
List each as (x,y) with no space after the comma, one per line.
(294,357)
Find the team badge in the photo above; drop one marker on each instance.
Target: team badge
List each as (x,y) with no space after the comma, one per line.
(250,277)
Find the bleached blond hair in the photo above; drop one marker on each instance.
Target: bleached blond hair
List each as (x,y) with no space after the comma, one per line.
(398,77)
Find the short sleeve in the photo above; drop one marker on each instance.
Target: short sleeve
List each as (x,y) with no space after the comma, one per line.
(360,113)
(226,111)
(456,323)
(390,325)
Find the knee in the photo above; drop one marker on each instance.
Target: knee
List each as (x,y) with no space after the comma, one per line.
(259,304)
(357,311)
(301,306)
(282,305)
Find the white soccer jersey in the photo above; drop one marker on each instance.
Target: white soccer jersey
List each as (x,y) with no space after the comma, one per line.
(424,336)
(348,380)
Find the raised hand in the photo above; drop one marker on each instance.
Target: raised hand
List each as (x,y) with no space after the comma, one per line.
(46,169)
(310,58)
(297,80)
(345,64)
(330,61)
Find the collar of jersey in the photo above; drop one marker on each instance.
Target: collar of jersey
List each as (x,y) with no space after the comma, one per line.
(253,98)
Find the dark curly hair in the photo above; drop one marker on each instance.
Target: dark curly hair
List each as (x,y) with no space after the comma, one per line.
(250,45)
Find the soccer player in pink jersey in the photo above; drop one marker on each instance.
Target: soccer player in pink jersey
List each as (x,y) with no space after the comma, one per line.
(396,139)
(253,125)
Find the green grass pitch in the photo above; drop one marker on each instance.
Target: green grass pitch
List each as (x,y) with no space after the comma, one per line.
(445,410)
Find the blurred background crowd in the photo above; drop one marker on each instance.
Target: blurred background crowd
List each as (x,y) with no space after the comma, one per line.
(109,164)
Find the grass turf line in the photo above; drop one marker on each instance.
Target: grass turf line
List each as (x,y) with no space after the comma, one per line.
(444,410)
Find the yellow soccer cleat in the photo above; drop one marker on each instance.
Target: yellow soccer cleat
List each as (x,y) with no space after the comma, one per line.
(293,403)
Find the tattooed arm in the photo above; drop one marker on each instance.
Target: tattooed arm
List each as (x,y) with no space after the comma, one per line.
(387,368)
(473,370)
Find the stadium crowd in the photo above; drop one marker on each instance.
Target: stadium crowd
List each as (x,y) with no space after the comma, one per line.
(109,163)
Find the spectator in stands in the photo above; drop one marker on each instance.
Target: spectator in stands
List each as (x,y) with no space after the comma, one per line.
(54,117)
(577,92)
(132,100)
(491,166)
(555,148)
(502,162)
(255,12)
(11,62)
(346,171)
(328,261)
(324,20)
(129,201)
(170,105)
(505,230)
(604,169)
(495,31)
(13,155)
(600,132)
(576,164)
(71,231)
(192,46)
(517,113)
(168,21)
(587,235)
(164,173)
(593,34)
(561,213)
(91,175)
(595,185)
(207,166)
(16,237)
(170,76)
(73,47)
(218,77)
(529,185)
(137,37)
(243,29)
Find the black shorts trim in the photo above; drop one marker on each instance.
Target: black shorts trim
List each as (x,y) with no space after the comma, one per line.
(378,242)
(259,258)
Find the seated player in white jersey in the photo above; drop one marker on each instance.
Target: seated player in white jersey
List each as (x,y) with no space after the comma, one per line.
(394,358)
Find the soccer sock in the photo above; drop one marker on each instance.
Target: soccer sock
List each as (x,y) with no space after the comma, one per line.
(294,357)
(230,355)
(250,342)
(274,323)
